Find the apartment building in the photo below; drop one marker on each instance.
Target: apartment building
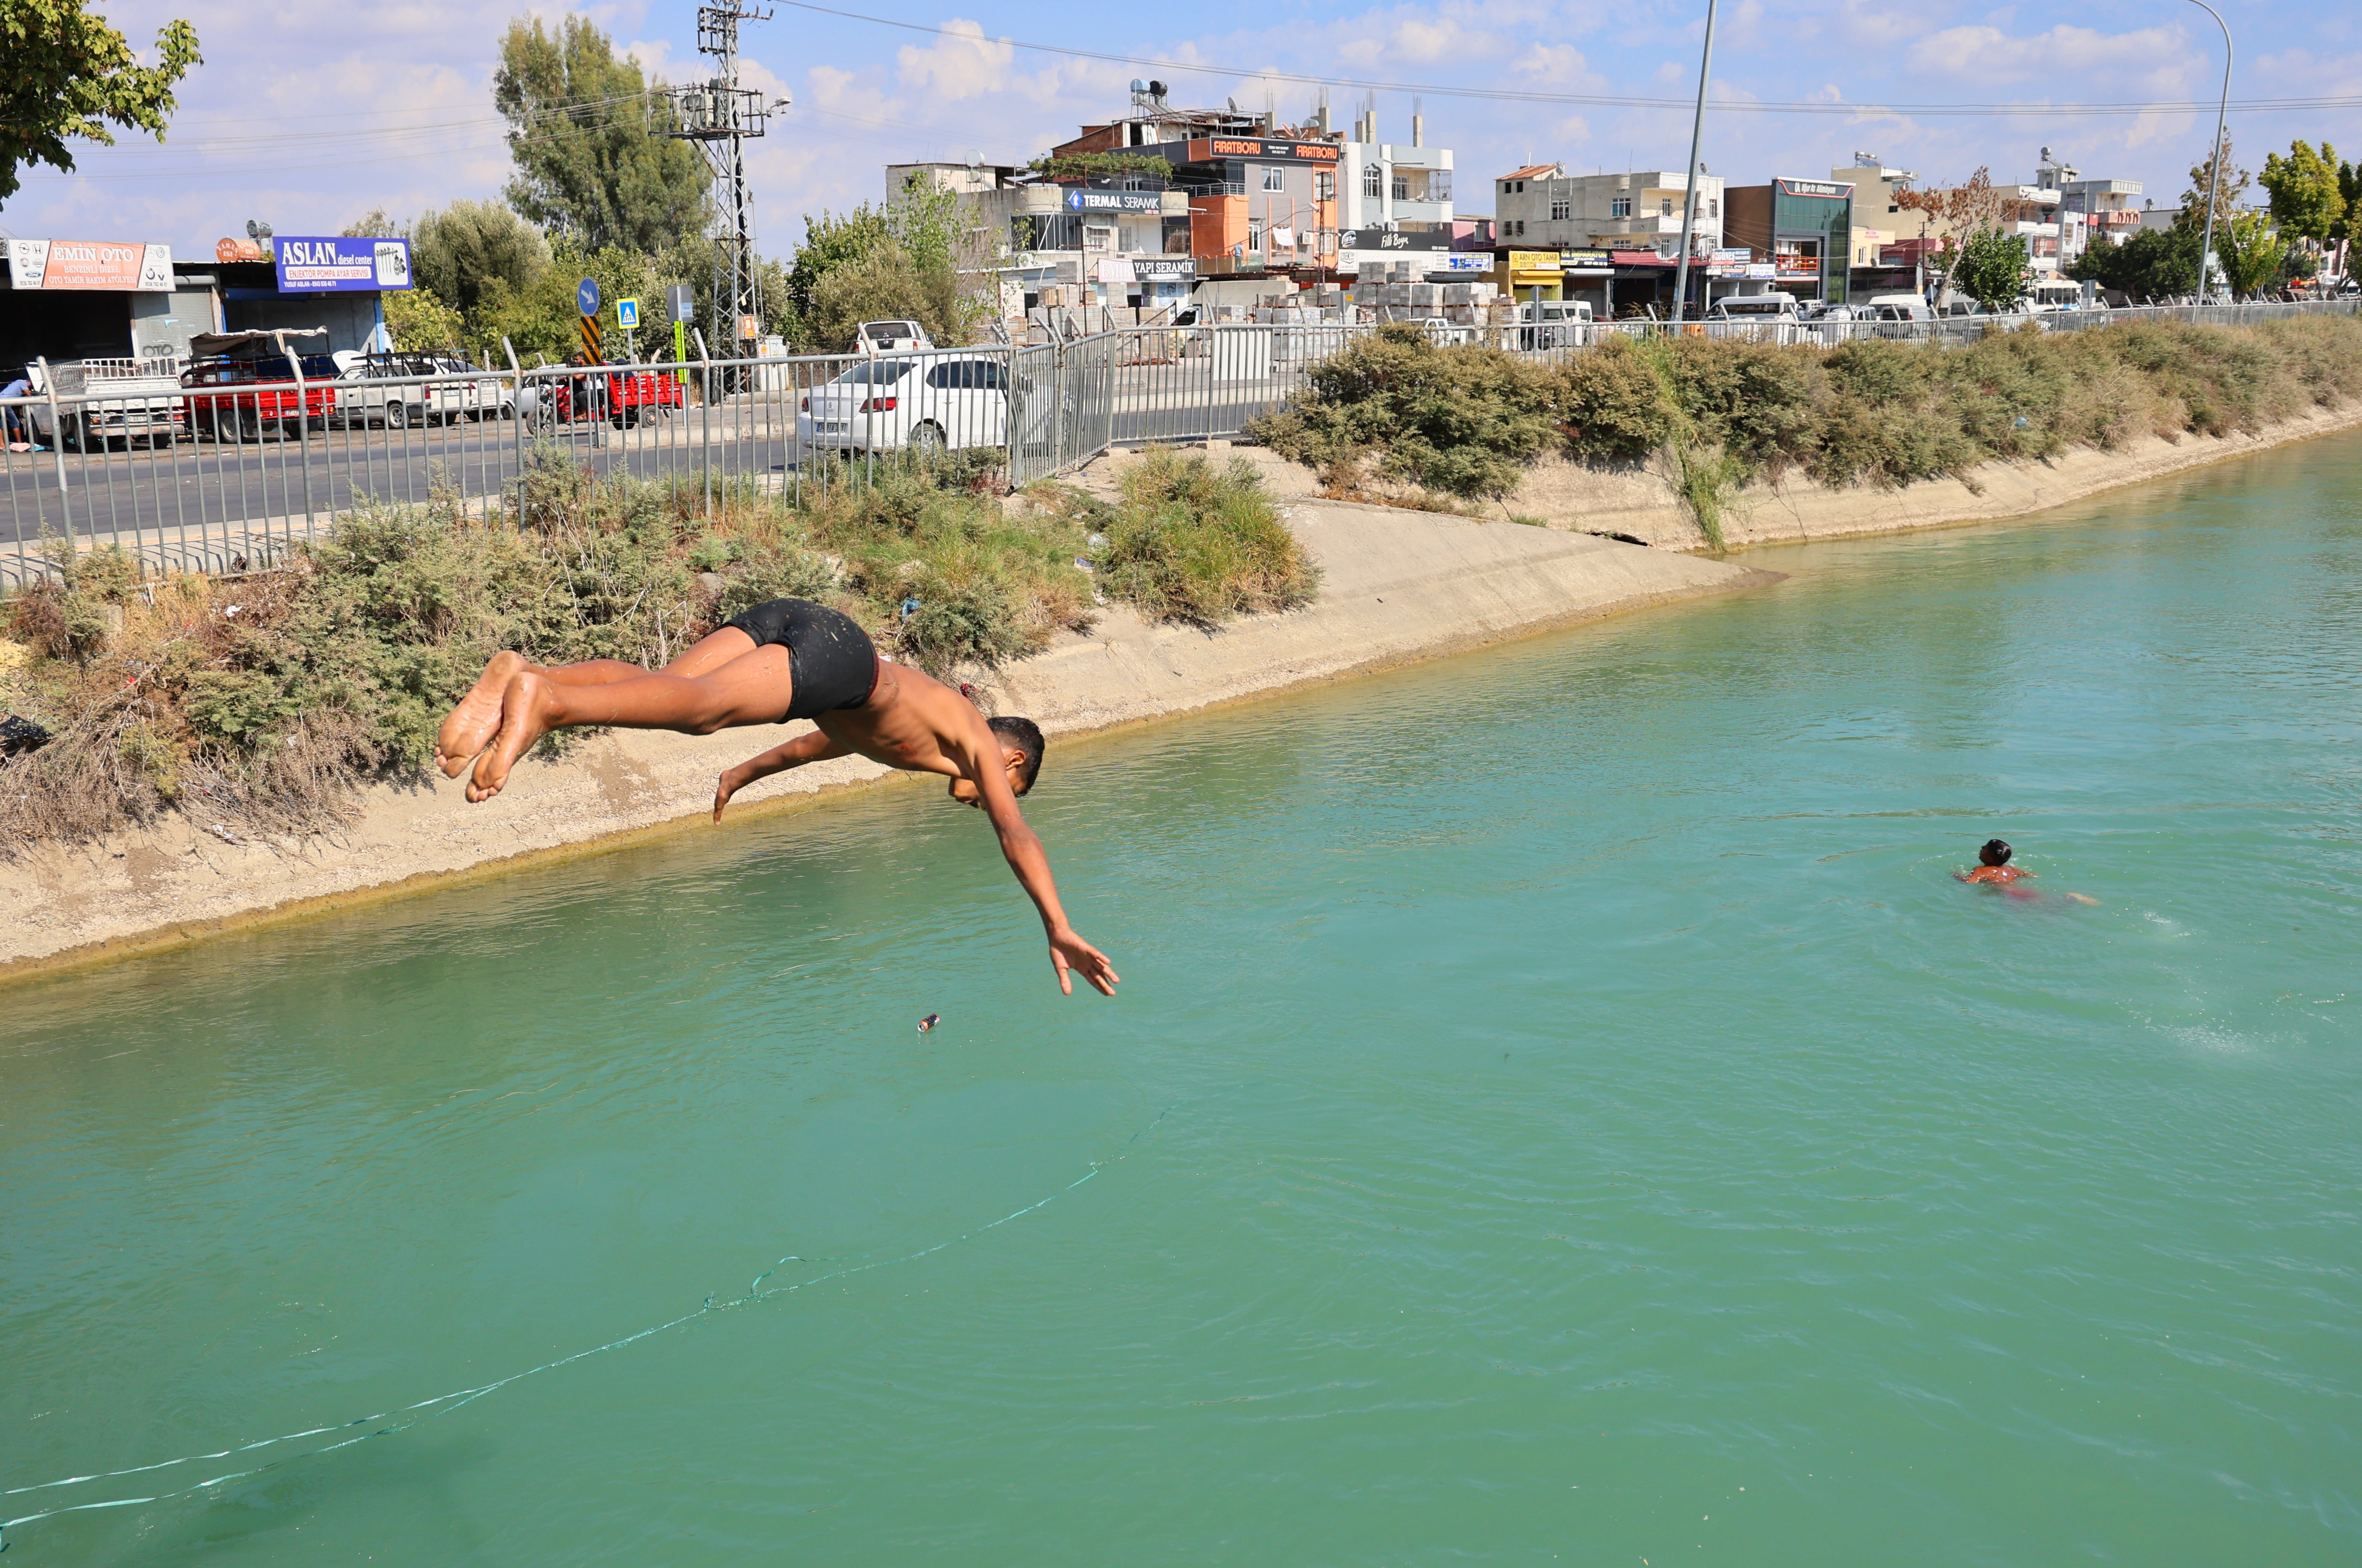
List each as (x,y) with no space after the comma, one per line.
(1122,241)
(1261,198)
(1393,200)
(1544,207)
(2090,211)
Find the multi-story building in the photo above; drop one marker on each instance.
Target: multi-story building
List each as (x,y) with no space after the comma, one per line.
(1123,239)
(1394,200)
(1261,197)
(1803,228)
(2090,212)
(1544,207)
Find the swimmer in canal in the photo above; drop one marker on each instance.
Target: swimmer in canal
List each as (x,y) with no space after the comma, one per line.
(787,659)
(1993,871)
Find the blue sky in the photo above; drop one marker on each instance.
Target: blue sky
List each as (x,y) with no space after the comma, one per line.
(308,116)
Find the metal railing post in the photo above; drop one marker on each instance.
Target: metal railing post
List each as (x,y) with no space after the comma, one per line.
(705,437)
(302,437)
(517,417)
(58,450)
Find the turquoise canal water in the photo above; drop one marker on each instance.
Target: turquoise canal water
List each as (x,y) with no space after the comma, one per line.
(1561,1109)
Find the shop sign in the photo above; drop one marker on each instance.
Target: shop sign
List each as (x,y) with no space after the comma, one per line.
(1732,256)
(1114,201)
(1461,262)
(1202,149)
(1765,270)
(341,264)
(1115,269)
(1394,239)
(1165,269)
(128,266)
(1827,190)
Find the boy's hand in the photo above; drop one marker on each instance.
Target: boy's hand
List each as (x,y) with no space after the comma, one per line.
(733,780)
(1068,951)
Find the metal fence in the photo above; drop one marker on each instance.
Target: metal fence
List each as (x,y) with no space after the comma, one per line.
(228,479)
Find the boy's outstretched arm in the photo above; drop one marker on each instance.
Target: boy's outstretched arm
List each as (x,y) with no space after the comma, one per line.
(1022,848)
(812,747)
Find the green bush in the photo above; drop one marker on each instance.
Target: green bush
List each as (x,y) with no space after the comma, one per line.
(1198,544)
(1466,421)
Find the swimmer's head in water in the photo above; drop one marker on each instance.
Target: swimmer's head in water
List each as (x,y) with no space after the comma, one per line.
(1994,853)
(1021,745)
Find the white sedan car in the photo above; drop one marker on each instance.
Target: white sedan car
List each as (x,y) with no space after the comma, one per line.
(921,402)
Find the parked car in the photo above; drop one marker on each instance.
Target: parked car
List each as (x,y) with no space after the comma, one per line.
(922,402)
(387,389)
(1441,333)
(1553,324)
(495,397)
(1900,315)
(102,402)
(243,385)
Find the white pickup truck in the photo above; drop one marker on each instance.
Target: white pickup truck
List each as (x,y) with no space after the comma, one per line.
(101,402)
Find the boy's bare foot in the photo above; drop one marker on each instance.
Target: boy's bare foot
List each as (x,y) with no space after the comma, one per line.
(525,719)
(473,722)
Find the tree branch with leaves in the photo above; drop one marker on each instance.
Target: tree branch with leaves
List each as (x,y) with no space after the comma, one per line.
(67,77)
(1962,211)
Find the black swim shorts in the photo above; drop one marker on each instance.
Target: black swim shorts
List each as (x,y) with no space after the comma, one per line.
(830,661)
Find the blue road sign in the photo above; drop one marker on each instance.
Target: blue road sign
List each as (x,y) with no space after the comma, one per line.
(586,294)
(628,315)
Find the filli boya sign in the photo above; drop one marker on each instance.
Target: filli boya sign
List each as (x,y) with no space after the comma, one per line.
(340,264)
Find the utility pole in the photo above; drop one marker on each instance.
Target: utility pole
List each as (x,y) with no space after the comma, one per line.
(719,116)
(2214,164)
(1689,204)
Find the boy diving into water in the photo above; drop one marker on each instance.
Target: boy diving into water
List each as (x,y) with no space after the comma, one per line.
(787,659)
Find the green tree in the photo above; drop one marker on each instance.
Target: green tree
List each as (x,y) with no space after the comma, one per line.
(830,242)
(64,73)
(883,282)
(459,251)
(2304,190)
(2226,176)
(2350,188)
(2250,251)
(420,321)
(1992,268)
(2152,264)
(956,255)
(589,136)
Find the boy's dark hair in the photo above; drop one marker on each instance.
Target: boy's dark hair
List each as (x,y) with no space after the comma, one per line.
(1026,736)
(1994,853)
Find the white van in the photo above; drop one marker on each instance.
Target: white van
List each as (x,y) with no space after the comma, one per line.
(1553,324)
(891,337)
(1759,318)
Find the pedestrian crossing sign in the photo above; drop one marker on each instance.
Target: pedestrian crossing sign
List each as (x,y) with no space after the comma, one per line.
(628,315)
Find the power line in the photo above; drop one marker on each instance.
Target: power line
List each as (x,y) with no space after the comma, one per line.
(1609,100)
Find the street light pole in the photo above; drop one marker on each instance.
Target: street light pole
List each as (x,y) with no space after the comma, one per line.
(1689,206)
(2214,164)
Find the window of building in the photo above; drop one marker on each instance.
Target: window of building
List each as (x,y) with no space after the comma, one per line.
(1098,239)
(1274,178)
(1373,181)
(1619,206)
(1324,185)
(1561,210)
(1402,188)
(1713,206)
(1254,235)
(1439,184)
(1665,206)
(1521,228)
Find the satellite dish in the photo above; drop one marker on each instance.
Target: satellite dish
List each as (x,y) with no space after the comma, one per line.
(1233,102)
(253,229)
